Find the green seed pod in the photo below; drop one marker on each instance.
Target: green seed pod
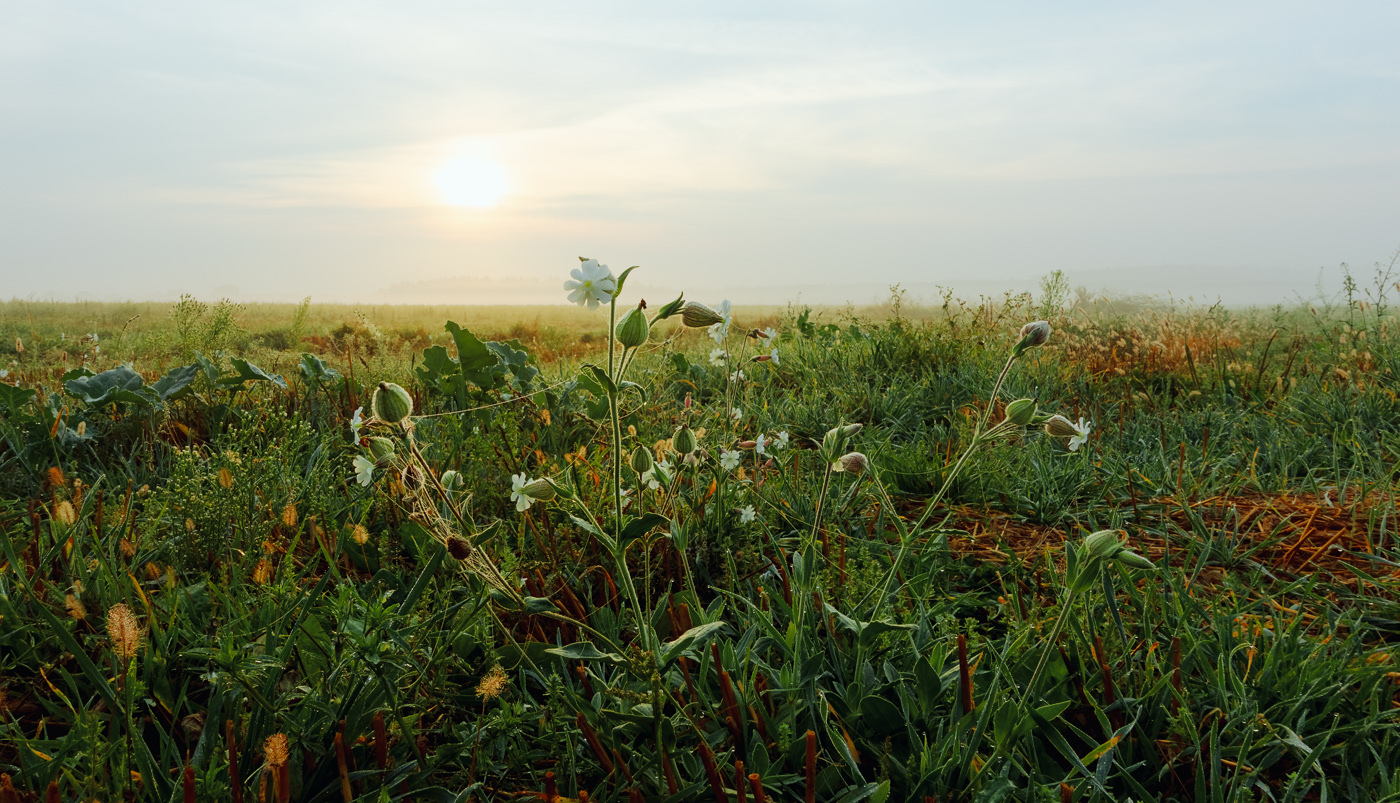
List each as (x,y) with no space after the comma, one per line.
(699,316)
(452,481)
(1021,412)
(382,450)
(391,403)
(540,490)
(1104,544)
(632,328)
(1060,427)
(683,441)
(641,460)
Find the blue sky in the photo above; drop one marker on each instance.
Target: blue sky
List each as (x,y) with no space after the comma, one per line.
(831,149)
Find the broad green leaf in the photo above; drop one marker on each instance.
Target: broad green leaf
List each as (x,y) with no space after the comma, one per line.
(13,397)
(248,372)
(313,369)
(643,524)
(119,385)
(672,650)
(583,651)
(176,382)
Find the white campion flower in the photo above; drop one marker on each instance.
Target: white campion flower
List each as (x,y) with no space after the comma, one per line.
(357,421)
(364,470)
(1081,434)
(718,357)
(780,441)
(729,460)
(4,372)
(593,284)
(521,499)
(736,413)
(747,515)
(719,331)
(736,376)
(773,355)
(760,444)
(769,335)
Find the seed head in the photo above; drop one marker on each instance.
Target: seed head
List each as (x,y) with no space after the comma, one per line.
(275,750)
(65,513)
(493,684)
(359,534)
(123,631)
(289,515)
(75,608)
(459,548)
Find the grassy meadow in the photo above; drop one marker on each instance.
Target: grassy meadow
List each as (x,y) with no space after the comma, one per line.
(234,567)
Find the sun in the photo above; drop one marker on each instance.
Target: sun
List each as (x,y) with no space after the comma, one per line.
(471,181)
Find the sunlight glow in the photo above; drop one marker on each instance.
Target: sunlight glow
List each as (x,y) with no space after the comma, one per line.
(471,181)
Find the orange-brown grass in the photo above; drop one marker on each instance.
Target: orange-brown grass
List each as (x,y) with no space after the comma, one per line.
(1151,342)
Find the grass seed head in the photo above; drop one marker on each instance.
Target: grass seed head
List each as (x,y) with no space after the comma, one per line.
(275,749)
(123,631)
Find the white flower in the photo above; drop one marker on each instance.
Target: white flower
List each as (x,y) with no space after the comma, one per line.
(729,460)
(773,355)
(769,335)
(517,487)
(780,441)
(364,470)
(718,357)
(736,376)
(736,413)
(761,444)
(719,331)
(1082,428)
(4,372)
(747,514)
(356,422)
(593,284)
(649,476)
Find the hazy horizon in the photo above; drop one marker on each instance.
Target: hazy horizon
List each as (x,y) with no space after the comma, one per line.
(354,152)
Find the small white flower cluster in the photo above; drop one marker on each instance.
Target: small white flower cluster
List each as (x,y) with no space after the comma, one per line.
(763,443)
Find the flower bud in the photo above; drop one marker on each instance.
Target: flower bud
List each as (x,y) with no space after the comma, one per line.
(835,440)
(391,403)
(1060,427)
(851,463)
(673,308)
(1021,411)
(452,481)
(1033,334)
(539,490)
(382,450)
(1104,544)
(683,441)
(641,460)
(632,328)
(699,316)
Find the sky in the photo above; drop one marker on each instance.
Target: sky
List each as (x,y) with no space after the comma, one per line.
(766,152)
